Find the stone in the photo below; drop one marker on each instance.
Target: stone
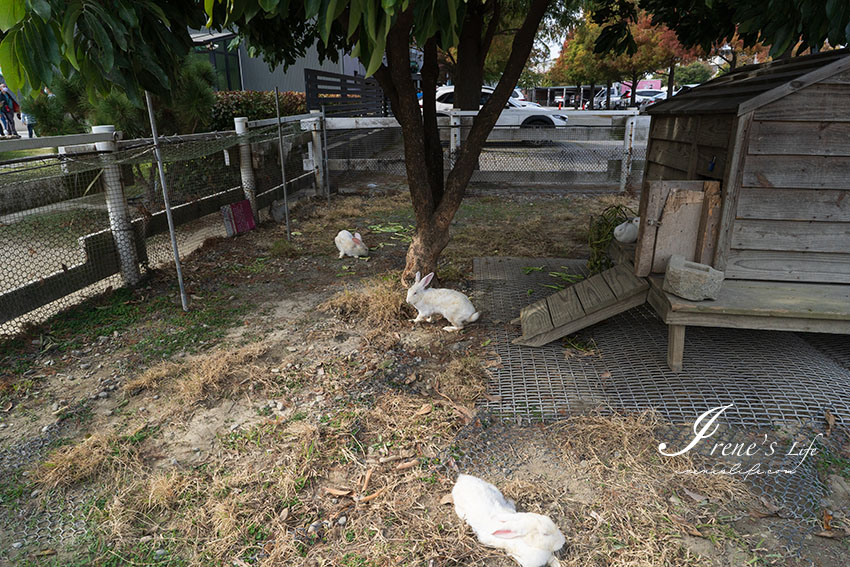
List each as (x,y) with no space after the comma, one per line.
(160,552)
(85,366)
(103,394)
(145,539)
(692,281)
(342,520)
(18,544)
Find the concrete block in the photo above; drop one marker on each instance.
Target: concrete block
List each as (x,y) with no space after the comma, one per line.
(690,280)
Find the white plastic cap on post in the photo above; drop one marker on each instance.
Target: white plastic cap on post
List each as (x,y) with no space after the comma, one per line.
(104,129)
(241,124)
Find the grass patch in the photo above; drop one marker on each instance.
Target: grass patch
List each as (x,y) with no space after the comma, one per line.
(283,248)
(56,228)
(463,380)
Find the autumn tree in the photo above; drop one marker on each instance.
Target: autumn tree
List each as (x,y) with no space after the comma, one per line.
(734,52)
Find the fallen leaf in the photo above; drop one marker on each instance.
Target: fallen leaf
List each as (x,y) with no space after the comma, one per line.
(407,465)
(447,499)
(827,520)
(491,398)
(337,491)
(44,553)
(284,515)
(690,529)
(424,410)
(770,506)
(595,515)
(695,496)
(830,422)
(833,534)
(606,374)
(366,480)
(374,495)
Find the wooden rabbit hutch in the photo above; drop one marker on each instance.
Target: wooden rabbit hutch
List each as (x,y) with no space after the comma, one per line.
(749,173)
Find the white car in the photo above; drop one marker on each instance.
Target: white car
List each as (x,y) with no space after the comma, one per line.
(641,96)
(517,95)
(516,113)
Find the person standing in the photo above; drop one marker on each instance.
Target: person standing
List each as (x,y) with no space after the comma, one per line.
(8,107)
(29,120)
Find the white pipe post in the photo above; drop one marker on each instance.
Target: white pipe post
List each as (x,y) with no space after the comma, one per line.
(454,142)
(282,162)
(167,202)
(628,145)
(119,215)
(246,166)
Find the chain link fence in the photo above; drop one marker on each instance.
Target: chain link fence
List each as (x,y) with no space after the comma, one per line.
(77,219)
(605,153)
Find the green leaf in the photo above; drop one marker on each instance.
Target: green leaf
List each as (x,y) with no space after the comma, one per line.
(355,12)
(311,8)
(208,8)
(101,38)
(269,5)
(69,24)
(40,7)
(10,63)
(326,19)
(11,13)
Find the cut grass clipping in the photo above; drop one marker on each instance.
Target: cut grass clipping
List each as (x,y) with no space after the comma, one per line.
(377,305)
(600,234)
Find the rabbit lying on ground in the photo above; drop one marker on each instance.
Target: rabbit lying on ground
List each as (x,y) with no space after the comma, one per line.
(350,244)
(628,231)
(530,539)
(432,303)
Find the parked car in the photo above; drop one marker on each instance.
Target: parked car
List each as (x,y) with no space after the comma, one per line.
(641,96)
(516,113)
(517,95)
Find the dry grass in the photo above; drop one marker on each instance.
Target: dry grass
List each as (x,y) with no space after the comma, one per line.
(151,378)
(73,464)
(203,376)
(642,506)
(376,305)
(463,380)
(212,374)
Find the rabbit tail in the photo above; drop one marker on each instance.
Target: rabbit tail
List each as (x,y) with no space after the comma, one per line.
(474,317)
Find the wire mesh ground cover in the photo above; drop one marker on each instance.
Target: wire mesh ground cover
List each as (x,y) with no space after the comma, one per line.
(779,383)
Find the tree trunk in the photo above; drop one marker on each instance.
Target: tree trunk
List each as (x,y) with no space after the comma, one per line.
(592,94)
(577,99)
(734,62)
(608,94)
(434,202)
(670,79)
(469,73)
(633,97)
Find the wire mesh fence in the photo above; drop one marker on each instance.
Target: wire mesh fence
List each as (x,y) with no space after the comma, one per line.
(76,220)
(606,156)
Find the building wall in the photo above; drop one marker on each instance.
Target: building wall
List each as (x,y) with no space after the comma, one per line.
(688,146)
(792,220)
(256,75)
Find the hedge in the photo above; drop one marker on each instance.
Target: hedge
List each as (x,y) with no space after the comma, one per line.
(255,105)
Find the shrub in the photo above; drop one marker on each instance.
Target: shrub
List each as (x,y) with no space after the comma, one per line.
(254,105)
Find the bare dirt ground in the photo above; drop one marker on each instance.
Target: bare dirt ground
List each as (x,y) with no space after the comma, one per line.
(295,417)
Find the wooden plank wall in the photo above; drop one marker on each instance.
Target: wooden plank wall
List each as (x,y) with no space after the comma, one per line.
(792,221)
(688,146)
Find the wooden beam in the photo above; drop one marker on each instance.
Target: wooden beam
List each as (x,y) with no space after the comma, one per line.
(830,205)
(732,183)
(675,346)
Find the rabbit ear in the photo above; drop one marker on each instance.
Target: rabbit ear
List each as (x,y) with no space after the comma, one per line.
(356,240)
(427,279)
(418,277)
(511,529)
(357,236)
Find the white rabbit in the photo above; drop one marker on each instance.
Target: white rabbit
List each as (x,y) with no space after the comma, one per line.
(431,303)
(350,244)
(628,231)
(530,539)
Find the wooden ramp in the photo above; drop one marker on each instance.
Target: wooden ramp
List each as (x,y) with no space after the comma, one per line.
(582,304)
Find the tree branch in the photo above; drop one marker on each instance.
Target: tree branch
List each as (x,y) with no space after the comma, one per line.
(433,148)
(492,26)
(487,116)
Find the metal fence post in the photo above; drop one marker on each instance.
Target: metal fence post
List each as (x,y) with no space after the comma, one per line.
(454,142)
(246,165)
(315,153)
(628,147)
(119,215)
